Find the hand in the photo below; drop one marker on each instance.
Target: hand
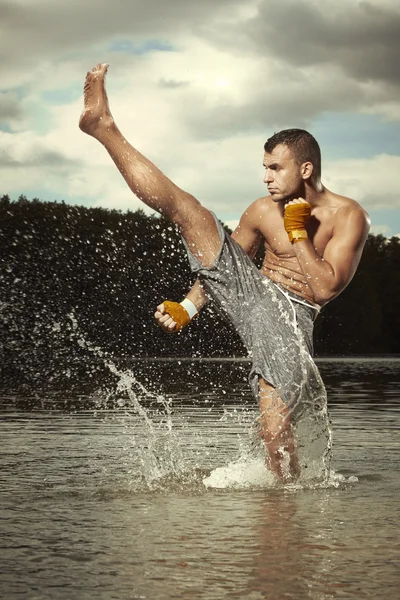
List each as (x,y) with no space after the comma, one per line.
(297,213)
(297,201)
(171,316)
(164,319)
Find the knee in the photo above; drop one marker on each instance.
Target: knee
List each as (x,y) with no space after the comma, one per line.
(273,429)
(271,403)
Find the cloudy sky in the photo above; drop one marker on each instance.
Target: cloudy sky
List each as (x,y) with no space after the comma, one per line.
(198,86)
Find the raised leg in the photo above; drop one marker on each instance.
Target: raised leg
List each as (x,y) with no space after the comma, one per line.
(278,435)
(146,181)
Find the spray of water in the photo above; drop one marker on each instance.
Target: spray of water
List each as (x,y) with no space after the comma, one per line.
(158,450)
(159,461)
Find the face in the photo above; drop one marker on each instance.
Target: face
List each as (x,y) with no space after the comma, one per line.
(283,175)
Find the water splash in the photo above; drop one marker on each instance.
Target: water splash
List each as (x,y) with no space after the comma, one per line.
(158,449)
(155,454)
(249,471)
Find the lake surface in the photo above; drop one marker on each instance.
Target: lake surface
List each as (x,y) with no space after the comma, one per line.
(155,492)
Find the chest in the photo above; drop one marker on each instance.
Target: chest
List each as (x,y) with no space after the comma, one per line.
(319,229)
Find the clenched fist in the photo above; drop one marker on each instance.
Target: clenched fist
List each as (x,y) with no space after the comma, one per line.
(297,212)
(173,316)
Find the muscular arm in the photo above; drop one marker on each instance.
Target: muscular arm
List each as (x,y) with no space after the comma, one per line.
(327,276)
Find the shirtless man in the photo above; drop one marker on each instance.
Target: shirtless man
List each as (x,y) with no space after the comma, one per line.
(313,240)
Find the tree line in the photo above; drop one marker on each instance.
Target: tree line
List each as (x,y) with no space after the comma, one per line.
(71,274)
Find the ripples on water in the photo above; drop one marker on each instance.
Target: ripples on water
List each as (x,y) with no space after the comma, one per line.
(94,503)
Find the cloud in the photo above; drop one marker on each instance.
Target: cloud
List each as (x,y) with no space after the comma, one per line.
(382,229)
(171,84)
(293,57)
(229,68)
(360,37)
(10,110)
(373,182)
(196,86)
(313,56)
(42,32)
(24,151)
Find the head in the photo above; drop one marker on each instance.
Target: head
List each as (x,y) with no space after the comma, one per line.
(292,159)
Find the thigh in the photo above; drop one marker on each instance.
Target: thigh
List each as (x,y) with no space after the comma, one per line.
(201,235)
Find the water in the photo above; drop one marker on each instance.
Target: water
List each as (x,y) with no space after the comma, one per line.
(93,505)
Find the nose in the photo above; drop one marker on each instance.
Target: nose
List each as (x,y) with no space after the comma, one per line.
(268,177)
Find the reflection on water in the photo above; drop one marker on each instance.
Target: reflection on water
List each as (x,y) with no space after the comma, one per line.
(79,517)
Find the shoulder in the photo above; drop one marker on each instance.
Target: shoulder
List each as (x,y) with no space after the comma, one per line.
(257,214)
(351,214)
(351,223)
(259,207)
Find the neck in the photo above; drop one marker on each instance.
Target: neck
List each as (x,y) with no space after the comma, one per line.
(314,194)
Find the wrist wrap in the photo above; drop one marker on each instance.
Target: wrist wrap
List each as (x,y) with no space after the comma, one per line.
(182,313)
(295,218)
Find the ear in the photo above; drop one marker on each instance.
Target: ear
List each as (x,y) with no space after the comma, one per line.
(306,170)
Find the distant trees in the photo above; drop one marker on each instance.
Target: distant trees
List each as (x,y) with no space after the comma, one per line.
(365,318)
(110,270)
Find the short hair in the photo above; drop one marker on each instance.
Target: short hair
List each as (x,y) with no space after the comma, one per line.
(303,145)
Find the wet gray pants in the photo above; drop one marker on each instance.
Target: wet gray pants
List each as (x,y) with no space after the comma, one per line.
(274,326)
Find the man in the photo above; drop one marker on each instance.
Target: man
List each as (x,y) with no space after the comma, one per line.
(313,240)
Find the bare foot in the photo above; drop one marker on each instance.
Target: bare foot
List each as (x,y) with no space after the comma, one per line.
(96,114)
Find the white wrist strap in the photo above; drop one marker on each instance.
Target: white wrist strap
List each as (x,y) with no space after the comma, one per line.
(189,307)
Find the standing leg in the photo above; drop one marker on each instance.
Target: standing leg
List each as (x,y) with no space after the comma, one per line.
(146,181)
(278,435)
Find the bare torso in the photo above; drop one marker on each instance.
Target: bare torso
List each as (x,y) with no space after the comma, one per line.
(280,262)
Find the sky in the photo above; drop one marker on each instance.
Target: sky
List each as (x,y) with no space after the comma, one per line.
(198,87)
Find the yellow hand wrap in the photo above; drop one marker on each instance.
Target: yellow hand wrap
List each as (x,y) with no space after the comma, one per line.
(178,313)
(294,220)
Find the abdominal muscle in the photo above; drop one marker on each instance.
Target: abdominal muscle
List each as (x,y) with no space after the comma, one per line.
(285,270)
